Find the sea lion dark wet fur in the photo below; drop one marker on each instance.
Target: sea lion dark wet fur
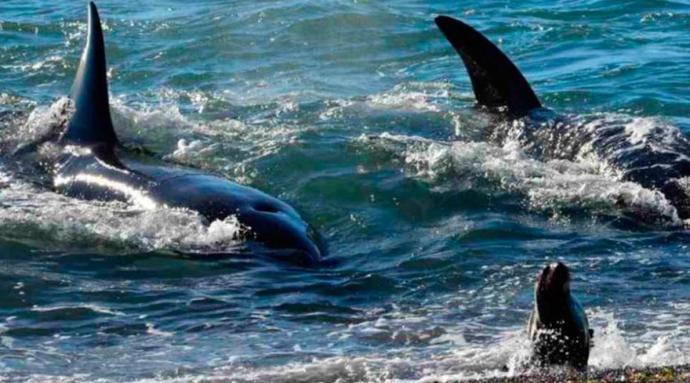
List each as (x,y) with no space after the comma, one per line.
(558,326)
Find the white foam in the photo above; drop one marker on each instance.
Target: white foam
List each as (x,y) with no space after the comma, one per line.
(89,306)
(31,214)
(428,97)
(548,185)
(468,361)
(196,142)
(404,100)
(41,121)
(657,134)
(151,330)
(613,348)
(187,151)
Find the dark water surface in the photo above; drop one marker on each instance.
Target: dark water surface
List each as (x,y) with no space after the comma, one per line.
(359,114)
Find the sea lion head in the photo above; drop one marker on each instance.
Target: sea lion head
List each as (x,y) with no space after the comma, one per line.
(552,292)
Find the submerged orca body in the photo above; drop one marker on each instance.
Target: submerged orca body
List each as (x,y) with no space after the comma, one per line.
(90,168)
(558,326)
(660,160)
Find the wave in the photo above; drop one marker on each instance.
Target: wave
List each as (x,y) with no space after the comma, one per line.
(30,214)
(552,186)
(502,356)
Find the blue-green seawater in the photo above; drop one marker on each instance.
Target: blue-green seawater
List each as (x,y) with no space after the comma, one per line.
(359,114)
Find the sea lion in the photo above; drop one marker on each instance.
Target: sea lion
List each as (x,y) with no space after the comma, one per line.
(558,327)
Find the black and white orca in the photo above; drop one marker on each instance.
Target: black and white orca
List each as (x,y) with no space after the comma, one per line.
(93,165)
(659,159)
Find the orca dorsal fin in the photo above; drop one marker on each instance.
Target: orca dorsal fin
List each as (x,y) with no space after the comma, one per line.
(496,81)
(91,122)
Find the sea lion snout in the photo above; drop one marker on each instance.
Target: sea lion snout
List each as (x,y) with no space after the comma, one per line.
(553,282)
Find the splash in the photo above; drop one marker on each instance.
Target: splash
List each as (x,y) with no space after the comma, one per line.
(196,142)
(552,185)
(32,215)
(412,96)
(613,348)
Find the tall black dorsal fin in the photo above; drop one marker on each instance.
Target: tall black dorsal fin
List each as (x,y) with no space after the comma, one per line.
(91,122)
(496,81)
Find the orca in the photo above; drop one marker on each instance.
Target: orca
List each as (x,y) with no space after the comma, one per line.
(658,160)
(94,165)
(558,326)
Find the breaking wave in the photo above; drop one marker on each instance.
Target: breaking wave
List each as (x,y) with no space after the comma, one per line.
(44,218)
(553,186)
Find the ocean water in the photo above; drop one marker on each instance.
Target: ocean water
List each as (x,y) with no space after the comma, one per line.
(360,115)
